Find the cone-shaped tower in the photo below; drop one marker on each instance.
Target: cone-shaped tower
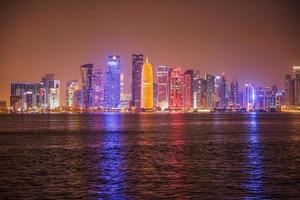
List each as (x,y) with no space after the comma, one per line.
(147,86)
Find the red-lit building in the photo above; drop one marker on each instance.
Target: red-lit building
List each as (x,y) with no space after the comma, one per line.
(163,87)
(175,88)
(188,89)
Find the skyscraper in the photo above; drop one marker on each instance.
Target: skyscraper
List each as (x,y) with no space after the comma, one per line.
(87,84)
(200,94)
(72,86)
(188,78)
(288,95)
(24,95)
(210,79)
(98,88)
(54,95)
(147,86)
(296,82)
(249,97)
(176,86)
(137,65)
(163,87)
(223,93)
(234,94)
(46,83)
(112,83)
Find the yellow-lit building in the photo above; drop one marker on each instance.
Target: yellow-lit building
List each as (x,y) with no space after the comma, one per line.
(147,86)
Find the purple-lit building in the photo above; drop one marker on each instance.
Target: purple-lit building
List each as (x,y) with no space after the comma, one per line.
(87,84)
(112,91)
(137,66)
(97,87)
(162,75)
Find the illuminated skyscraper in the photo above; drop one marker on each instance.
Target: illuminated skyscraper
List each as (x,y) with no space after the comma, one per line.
(54,95)
(200,94)
(188,78)
(87,84)
(78,99)
(249,97)
(288,95)
(210,79)
(223,93)
(112,83)
(72,86)
(296,83)
(46,84)
(147,86)
(234,94)
(176,86)
(137,65)
(23,96)
(163,87)
(98,88)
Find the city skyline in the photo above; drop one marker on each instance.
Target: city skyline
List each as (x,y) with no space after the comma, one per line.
(200,35)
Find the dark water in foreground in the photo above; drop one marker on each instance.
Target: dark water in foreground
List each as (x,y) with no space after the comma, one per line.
(150,156)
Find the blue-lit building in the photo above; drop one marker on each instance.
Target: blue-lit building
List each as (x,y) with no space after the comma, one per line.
(250,97)
(87,84)
(112,83)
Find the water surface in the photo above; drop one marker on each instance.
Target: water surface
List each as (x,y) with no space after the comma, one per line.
(150,156)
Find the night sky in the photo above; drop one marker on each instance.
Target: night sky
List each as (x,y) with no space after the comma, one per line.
(255,41)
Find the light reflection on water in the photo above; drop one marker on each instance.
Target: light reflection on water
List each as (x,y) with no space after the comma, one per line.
(254,161)
(112,166)
(148,156)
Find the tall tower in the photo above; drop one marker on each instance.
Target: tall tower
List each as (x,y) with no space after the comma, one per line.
(97,86)
(234,91)
(112,83)
(223,92)
(296,85)
(87,84)
(249,97)
(176,84)
(137,65)
(54,95)
(210,90)
(147,86)
(72,86)
(188,78)
(163,86)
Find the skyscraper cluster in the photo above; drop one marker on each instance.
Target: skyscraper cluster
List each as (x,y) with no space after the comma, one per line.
(43,95)
(164,88)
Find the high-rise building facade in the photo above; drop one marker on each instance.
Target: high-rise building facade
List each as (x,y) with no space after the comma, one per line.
(97,87)
(87,84)
(188,78)
(147,86)
(296,85)
(24,95)
(223,93)
(137,65)
(200,94)
(72,86)
(288,95)
(296,72)
(54,95)
(46,84)
(112,83)
(234,94)
(249,97)
(162,76)
(210,79)
(175,88)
